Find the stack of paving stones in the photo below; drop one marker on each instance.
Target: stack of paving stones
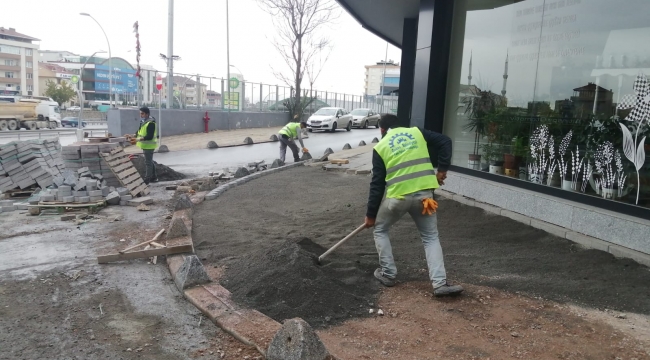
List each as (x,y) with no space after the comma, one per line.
(88,156)
(29,164)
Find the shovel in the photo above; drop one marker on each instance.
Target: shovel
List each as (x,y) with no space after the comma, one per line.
(358,230)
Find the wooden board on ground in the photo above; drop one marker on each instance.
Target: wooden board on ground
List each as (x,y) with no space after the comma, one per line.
(60,207)
(103,259)
(122,167)
(19,193)
(339,161)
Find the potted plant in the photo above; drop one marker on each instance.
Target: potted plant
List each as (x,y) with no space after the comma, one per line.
(494,157)
(514,158)
(478,104)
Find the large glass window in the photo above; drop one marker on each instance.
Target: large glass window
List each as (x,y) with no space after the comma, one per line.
(9,49)
(554,92)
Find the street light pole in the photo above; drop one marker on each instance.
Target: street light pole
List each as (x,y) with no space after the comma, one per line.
(110,64)
(170,55)
(228,59)
(81,92)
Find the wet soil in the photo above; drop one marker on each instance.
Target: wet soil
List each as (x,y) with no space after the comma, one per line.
(246,231)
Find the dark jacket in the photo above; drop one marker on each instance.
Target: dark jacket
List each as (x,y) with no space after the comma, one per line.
(151,128)
(436,143)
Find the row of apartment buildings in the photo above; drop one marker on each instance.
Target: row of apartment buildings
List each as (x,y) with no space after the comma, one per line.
(26,70)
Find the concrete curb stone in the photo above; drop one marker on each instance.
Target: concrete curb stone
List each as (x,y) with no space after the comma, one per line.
(215,193)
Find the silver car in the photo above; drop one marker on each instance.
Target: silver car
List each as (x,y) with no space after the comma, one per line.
(330,119)
(362,118)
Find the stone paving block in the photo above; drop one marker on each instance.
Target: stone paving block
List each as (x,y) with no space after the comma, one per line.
(95,193)
(241,172)
(96,198)
(68,199)
(113,198)
(126,197)
(177,229)
(123,191)
(296,340)
(277,163)
(191,273)
(47,197)
(141,200)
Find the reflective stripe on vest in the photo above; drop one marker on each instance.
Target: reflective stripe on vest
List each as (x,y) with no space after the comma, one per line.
(291,130)
(142,132)
(408,166)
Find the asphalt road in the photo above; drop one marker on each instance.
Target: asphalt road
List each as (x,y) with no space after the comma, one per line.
(200,162)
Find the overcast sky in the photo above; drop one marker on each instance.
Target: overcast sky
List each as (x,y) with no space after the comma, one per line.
(200,37)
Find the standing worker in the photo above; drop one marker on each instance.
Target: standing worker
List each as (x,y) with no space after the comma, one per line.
(288,133)
(401,166)
(147,140)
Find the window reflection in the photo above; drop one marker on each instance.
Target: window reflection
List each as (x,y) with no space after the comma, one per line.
(554,92)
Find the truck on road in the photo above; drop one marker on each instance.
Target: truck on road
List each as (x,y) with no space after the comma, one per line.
(30,114)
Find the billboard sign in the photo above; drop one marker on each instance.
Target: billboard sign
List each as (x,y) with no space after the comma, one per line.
(124,80)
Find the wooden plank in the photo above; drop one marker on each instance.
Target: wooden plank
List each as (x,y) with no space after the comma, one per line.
(339,161)
(67,205)
(115,151)
(144,243)
(118,161)
(132,180)
(140,189)
(134,185)
(120,168)
(124,174)
(103,259)
(146,191)
(109,157)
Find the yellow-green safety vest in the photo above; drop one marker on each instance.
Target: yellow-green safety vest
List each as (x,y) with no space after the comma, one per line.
(291,130)
(408,166)
(142,132)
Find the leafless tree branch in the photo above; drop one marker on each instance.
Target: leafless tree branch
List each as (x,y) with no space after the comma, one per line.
(298,40)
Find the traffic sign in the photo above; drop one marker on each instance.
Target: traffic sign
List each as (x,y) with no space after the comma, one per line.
(74,79)
(159,82)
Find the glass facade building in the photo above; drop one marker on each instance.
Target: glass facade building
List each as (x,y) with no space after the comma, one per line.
(547,103)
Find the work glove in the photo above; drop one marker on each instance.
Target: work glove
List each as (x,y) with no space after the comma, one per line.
(429,206)
(305,150)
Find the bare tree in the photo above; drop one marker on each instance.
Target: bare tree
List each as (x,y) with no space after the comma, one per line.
(298,40)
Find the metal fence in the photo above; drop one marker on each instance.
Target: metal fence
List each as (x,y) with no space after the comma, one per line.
(259,97)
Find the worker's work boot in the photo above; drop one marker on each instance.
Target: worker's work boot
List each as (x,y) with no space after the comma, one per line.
(383,279)
(447,290)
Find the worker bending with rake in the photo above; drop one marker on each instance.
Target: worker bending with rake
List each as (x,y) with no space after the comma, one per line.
(288,133)
(401,166)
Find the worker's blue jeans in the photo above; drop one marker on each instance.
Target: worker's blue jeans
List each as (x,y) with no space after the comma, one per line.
(390,211)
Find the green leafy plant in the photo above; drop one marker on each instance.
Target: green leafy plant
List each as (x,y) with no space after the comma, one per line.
(60,93)
(480,108)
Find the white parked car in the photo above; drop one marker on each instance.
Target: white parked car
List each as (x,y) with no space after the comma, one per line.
(362,118)
(74,108)
(330,119)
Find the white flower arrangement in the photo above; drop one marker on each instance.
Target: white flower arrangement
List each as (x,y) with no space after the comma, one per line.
(538,144)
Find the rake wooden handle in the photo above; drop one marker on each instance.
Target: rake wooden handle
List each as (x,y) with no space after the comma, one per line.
(358,230)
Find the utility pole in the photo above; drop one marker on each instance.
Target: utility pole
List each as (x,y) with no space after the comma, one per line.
(170,55)
(228,60)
